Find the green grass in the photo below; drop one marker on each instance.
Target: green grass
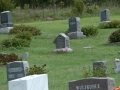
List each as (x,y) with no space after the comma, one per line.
(64,67)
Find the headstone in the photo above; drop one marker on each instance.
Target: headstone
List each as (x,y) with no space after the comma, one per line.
(33,82)
(17,69)
(62,43)
(93,83)
(74,28)
(6,22)
(117,66)
(105,16)
(98,66)
(25,54)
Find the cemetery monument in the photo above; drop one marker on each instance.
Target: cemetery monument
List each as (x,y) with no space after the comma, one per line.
(6,22)
(105,16)
(62,43)
(17,69)
(75,29)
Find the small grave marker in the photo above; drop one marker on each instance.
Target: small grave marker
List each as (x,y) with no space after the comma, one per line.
(6,22)
(17,69)
(62,43)
(105,16)
(98,65)
(117,65)
(74,28)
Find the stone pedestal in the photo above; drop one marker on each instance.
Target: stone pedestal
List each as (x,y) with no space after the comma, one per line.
(33,82)
(77,34)
(63,50)
(5,30)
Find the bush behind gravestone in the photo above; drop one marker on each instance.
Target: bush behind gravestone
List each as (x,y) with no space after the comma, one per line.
(112,24)
(90,30)
(114,37)
(37,70)
(22,28)
(6,58)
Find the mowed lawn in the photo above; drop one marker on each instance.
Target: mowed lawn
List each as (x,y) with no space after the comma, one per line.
(64,67)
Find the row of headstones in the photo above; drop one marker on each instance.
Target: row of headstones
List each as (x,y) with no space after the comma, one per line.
(17,79)
(96,83)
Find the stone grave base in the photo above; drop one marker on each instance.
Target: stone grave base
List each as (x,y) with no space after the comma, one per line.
(5,30)
(76,35)
(63,50)
(104,22)
(33,82)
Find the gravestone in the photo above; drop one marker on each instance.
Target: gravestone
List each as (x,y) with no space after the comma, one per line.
(93,83)
(105,16)
(6,22)
(17,69)
(74,28)
(32,82)
(98,66)
(25,54)
(117,66)
(62,43)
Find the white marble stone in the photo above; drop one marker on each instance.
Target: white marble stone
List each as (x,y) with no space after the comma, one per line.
(117,65)
(5,30)
(33,82)
(63,50)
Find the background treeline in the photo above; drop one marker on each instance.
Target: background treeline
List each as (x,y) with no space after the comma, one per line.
(43,3)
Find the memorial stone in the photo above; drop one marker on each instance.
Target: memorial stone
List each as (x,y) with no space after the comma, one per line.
(93,83)
(98,66)
(62,43)
(17,69)
(105,16)
(74,28)
(6,22)
(117,66)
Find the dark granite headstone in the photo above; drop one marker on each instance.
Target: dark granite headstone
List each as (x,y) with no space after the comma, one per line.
(17,69)
(74,24)
(93,83)
(98,66)
(62,41)
(74,28)
(105,16)
(6,19)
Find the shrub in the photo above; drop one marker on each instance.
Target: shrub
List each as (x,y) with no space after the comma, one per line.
(6,58)
(92,9)
(22,28)
(115,37)
(37,70)
(78,7)
(6,5)
(90,30)
(112,24)
(24,35)
(15,42)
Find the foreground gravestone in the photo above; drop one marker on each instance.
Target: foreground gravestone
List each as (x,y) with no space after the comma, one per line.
(105,16)
(33,82)
(17,69)
(62,43)
(74,28)
(6,22)
(99,66)
(93,83)
(117,65)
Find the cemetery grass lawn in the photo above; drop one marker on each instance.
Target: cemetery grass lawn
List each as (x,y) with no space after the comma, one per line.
(64,67)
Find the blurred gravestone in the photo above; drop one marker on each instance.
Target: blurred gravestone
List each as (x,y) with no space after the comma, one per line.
(25,54)
(99,68)
(105,16)
(93,83)
(117,66)
(75,29)
(17,69)
(6,22)
(62,43)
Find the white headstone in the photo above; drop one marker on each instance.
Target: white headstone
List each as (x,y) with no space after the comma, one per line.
(33,82)
(117,65)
